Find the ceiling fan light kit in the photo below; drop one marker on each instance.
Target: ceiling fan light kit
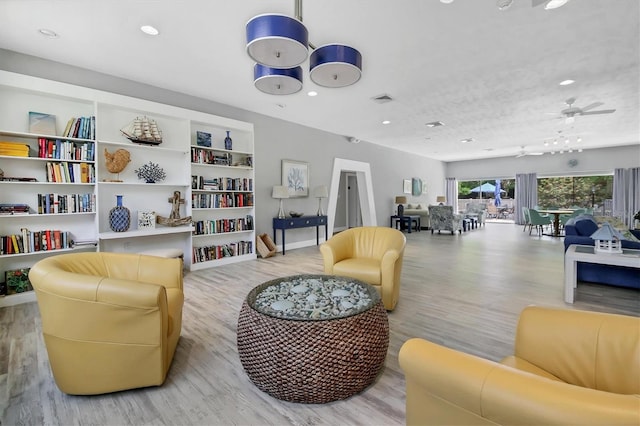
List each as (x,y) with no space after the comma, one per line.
(279,44)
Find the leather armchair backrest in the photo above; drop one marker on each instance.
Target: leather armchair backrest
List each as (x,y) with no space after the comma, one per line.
(374,242)
(588,349)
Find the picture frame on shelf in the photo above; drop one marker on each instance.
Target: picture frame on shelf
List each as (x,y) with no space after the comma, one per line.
(42,123)
(203,139)
(295,177)
(146,219)
(406,186)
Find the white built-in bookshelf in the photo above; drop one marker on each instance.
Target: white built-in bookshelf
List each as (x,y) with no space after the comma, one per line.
(222,228)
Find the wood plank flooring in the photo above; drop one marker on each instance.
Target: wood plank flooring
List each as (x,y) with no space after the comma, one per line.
(463,291)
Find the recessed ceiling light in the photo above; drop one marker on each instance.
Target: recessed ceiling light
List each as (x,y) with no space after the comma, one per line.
(312,93)
(554,4)
(148,29)
(566,140)
(446,1)
(546,143)
(555,142)
(48,33)
(467,140)
(579,149)
(386,122)
(579,139)
(281,105)
(567,82)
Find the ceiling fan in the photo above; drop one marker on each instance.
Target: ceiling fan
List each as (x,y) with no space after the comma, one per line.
(523,152)
(570,113)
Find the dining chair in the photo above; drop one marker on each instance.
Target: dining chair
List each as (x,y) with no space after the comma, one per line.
(527,218)
(538,220)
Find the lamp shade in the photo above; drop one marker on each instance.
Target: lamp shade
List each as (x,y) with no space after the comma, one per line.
(277,41)
(321,191)
(401,199)
(441,199)
(335,65)
(277,81)
(280,192)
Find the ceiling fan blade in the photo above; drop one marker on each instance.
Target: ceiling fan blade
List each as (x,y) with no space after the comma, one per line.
(602,111)
(592,106)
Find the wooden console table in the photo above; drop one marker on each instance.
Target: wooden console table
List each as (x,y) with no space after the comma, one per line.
(579,253)
(300,222)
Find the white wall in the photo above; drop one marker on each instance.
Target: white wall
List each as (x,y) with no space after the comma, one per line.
(590,162)
(275,140)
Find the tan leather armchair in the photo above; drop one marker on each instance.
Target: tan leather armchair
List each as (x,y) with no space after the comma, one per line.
(371,254)
(111,321)
(569,367)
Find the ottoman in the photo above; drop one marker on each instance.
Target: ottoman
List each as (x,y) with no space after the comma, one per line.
(314,352)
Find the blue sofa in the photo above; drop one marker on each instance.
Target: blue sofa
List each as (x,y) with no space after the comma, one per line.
(578,231)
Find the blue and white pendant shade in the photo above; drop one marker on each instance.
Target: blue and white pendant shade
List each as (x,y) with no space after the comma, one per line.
(277,41)
(335,65)
(277,81)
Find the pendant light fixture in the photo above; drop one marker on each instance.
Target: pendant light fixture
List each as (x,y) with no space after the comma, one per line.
(335,65)
(279,43)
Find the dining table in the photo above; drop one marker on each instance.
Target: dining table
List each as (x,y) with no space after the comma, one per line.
(556,218)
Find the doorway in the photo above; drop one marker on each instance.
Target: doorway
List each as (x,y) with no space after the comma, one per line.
(353,211)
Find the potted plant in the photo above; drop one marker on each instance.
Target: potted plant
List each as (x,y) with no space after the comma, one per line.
(151,172)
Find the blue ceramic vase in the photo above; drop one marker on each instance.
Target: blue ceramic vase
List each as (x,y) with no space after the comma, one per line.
(228,142)
(119,216)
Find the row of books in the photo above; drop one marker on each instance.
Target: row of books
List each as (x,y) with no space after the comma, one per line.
(219,226)
(71,172)
(14,149)
(206,156)
(66,203)
(204,254)
(215,201)
(221,183)
(12,209)
(28,242)
(81,127)
(65,150)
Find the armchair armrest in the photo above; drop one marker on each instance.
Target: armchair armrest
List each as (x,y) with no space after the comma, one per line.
(445,386)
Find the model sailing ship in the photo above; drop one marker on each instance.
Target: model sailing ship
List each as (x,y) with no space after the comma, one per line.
(143,130)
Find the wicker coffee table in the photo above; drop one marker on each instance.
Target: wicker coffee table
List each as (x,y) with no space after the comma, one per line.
(313,354)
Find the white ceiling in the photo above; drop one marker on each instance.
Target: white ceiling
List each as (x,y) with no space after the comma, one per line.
(487,74)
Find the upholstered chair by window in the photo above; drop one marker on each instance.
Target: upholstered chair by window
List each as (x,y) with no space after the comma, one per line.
(443,219)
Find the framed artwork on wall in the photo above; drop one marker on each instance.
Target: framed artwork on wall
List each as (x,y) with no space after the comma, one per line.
(416,186)
(424,187)
(406,186)
(295,177)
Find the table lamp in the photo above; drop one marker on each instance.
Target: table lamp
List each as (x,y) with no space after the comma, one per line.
(320,192)
(280,192)
(440,199)
(400,200)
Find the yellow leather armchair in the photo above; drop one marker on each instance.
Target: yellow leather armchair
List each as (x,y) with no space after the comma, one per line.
(371,254)
(111,321)
(569,367)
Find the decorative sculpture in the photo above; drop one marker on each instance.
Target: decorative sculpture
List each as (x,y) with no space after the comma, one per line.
(116,162)
(174,218)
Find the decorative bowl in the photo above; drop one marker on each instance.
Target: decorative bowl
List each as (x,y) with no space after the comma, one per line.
(295,214)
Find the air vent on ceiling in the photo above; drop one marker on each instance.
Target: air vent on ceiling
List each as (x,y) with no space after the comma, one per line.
(435,124)
(382,99)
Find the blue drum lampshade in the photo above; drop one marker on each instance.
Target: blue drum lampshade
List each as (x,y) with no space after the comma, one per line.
(335,65)
(277,41)
(277,81)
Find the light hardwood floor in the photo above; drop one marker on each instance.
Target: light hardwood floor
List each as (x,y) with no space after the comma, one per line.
(463,291)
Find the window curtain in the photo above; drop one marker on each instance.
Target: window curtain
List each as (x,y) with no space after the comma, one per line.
(626,194)
(526,194)
(451,193)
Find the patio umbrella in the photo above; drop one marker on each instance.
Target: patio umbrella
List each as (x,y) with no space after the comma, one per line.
(497,201)
(485,187)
